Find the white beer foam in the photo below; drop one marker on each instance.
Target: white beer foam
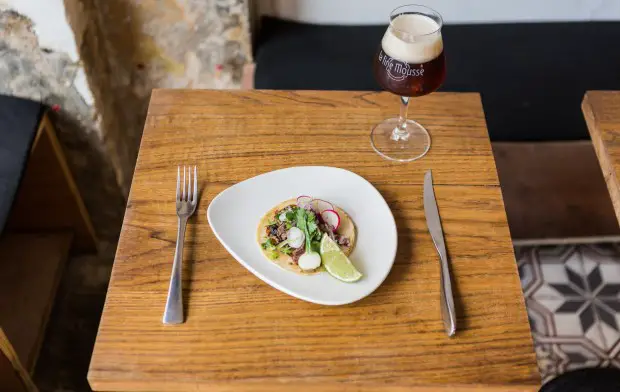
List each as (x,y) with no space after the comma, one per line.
(413,38)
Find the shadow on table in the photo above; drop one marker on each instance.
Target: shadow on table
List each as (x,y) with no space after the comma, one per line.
(190,259)
(462,322)
(189,262)
(404,262)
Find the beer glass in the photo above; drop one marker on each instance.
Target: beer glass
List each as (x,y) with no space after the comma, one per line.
(409,63)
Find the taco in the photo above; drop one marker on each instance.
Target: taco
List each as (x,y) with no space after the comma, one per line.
(280,237)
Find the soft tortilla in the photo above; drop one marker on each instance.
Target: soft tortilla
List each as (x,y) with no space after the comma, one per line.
(346,228)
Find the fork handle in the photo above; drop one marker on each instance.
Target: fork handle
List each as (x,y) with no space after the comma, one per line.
(173,314)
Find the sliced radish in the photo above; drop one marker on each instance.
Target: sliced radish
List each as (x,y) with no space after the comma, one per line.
(309,261)
(295,237)
(331,217)
(303,201)
(321,205)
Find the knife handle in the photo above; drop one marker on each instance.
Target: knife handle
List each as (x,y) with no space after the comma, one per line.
(448,312)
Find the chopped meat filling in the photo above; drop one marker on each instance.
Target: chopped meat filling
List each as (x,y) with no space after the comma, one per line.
(281,231)
(325,228)
(342,240)
(276,232)
(297,253)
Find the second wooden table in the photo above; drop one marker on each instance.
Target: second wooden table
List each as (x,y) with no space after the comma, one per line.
(242,334)
(602,113)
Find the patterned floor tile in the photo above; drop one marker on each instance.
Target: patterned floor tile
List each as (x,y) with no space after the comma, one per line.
(573,299)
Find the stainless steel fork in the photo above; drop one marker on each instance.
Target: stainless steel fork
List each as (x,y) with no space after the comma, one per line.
(187,198)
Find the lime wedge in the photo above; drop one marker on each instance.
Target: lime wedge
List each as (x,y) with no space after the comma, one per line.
(336,262)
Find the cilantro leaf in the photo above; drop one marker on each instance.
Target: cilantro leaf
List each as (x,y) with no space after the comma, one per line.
(315,246)
(287,250)
(271,247)
(268,245)
(312,227)
(300,218)
(307,222)
(312,222)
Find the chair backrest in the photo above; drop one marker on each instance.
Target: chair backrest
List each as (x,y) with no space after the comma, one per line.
(19,119)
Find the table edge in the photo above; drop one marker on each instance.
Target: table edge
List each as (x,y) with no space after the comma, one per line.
(593,125)
(98,384)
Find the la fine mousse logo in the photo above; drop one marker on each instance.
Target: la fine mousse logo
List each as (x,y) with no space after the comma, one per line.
(398,70)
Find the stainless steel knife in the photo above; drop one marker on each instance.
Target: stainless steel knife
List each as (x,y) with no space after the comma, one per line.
(433,222)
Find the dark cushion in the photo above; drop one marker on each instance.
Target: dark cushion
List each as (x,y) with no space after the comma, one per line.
(19,119)
(585,380)
(532,77)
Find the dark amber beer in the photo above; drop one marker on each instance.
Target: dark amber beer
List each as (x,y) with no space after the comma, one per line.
(409,63)
(409,66)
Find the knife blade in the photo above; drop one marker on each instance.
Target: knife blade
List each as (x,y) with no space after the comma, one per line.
(433,222)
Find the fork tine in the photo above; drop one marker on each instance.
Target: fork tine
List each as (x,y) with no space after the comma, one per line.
(183,189)
(195,186)
(178,181)
(189,184)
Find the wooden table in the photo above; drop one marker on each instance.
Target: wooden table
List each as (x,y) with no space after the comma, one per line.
(602,113)
(243,335)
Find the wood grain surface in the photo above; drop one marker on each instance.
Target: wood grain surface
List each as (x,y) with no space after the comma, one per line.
(602,112)
(241,334)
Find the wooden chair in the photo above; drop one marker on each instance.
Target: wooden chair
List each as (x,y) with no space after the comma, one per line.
(46,222)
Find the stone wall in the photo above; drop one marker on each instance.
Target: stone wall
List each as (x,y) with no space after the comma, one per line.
(126,48)
(40,74)
(129,47)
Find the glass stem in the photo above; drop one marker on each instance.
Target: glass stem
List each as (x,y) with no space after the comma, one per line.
(400,132)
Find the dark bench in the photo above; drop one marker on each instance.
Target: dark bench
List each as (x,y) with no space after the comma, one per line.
(532,77)
(19,120)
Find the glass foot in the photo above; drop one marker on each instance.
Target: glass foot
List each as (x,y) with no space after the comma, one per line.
(400,146)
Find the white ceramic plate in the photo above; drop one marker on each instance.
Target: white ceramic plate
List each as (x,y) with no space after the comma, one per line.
(234,215)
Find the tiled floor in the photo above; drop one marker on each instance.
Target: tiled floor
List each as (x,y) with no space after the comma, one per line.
(573,300)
